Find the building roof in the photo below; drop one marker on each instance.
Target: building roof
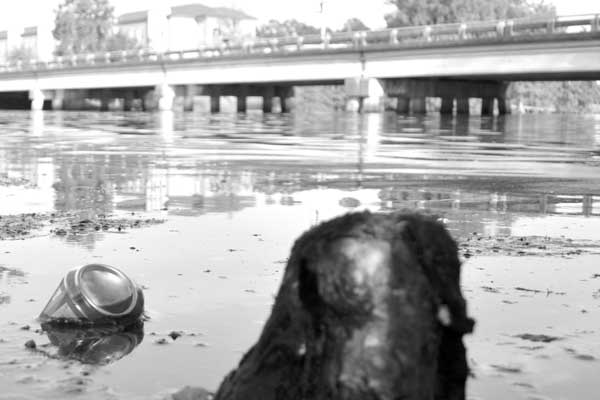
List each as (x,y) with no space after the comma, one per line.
(200,10)
(132,17)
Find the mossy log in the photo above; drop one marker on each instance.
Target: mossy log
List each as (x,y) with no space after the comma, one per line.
(370,308)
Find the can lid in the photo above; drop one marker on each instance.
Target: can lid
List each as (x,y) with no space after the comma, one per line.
(107,288)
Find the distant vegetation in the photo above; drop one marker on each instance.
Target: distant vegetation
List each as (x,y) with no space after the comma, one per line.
(426,12)
(87,26)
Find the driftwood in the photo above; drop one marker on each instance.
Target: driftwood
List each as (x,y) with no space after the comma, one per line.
(369,308)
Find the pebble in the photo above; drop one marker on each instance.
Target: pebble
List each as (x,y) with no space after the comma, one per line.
(175,335)
(30,344)
(538,338)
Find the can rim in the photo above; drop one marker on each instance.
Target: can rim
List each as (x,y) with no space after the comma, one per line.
(91,303)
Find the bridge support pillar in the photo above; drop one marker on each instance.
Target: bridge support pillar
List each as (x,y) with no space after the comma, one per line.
(128,97)
(166,95)
(285,94)
(403,105)
(447,106)
(242,99)
(418,105)
(462,105)
(37,99)
(368,90)
(353,104)
(268,99)
(503,107)
(188,99)
(105,97)
(215,99)
(58,99)
(487,106)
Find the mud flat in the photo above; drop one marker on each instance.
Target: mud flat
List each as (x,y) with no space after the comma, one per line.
(536,300)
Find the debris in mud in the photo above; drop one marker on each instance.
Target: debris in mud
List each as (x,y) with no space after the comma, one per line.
(66,224)
(6,180)
(531,348)
(538,337)
(175,335)
(161,341)
(74,385)
(490,289)
(580,356)
(506,369)
(19,226)
(102,222)
(525,246)
(524,385)
(4,298)
(547,291)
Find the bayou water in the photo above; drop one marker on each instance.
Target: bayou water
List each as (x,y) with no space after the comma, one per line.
(227,195)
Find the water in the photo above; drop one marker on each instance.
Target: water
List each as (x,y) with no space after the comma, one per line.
(236,190)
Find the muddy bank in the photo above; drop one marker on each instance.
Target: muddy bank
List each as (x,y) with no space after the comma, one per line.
(477,244)
(68,224)
(5,180)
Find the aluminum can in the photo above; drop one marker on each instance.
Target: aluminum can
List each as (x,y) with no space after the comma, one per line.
(94,293)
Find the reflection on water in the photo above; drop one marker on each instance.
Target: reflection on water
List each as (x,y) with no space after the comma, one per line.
(97,346)
(193,164)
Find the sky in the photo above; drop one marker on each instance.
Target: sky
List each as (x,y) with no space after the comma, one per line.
(15,15)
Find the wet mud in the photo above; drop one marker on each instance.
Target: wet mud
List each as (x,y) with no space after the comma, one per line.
(201,210)
(67,224)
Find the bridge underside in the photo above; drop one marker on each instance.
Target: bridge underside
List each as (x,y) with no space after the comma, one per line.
(454,73)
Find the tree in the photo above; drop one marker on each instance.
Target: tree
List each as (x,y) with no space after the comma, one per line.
(569,96)
(290,27)
(353,25)
(120,41)
(425,12)
(86,26)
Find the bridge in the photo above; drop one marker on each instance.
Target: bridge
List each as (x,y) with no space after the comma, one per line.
(454,62)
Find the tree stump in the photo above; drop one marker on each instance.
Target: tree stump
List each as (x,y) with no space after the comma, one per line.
(370,308)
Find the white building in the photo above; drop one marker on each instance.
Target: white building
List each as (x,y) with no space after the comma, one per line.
(32,43)
(187,27)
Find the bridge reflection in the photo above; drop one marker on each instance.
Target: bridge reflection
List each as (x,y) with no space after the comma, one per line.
(226,165)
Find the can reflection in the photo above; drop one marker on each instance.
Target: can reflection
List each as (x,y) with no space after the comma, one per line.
(98,345)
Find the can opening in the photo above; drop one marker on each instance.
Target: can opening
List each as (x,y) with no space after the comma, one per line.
(107,290)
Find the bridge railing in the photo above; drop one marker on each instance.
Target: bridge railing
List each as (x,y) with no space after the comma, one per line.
(361,40)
